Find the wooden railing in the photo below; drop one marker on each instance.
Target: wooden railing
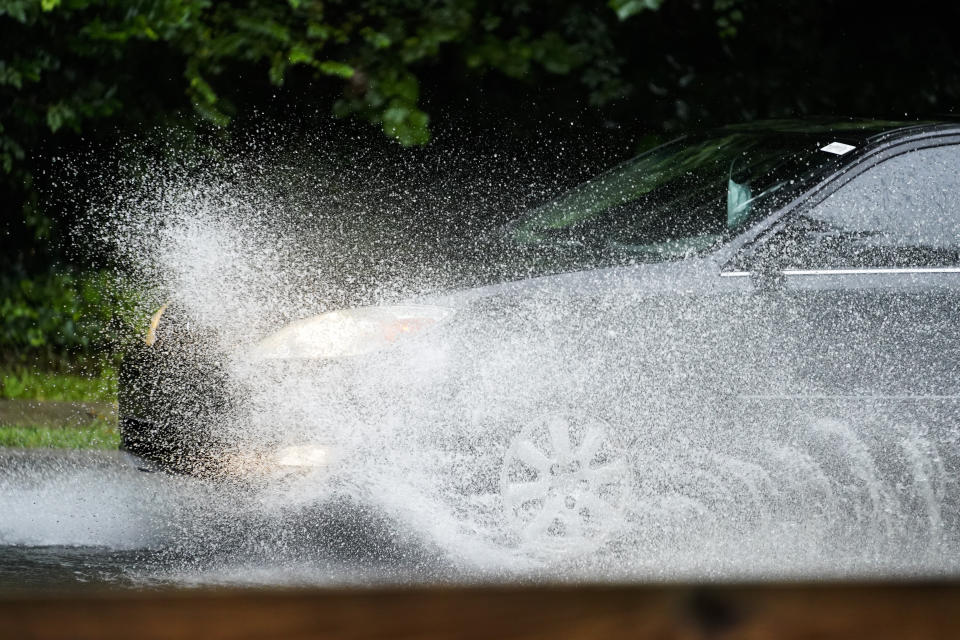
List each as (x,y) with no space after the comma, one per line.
(849,611)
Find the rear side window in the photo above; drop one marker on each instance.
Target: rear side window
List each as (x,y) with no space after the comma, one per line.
(904,212)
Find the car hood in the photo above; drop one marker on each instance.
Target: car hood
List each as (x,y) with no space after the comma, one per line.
(675,278)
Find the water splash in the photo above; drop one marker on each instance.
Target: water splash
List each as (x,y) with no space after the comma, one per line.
(783,490)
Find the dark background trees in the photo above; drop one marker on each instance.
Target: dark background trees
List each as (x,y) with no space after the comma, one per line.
(80,76)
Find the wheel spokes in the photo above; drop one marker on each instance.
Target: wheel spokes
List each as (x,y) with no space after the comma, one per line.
(559,436)
(563,489)
(596,507)
(528,454)
(547,516)
(590,445)
(572,523)
(522,492)
(612,473)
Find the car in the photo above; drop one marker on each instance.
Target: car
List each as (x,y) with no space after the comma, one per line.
(759,318)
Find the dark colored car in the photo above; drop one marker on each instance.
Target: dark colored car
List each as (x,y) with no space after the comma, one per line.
(699,323)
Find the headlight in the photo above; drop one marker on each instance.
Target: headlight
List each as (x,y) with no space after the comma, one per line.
(306,456)
(349,332)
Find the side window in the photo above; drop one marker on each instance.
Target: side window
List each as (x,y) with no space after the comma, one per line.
(904,212)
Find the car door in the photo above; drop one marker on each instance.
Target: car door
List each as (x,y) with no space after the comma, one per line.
(863,291)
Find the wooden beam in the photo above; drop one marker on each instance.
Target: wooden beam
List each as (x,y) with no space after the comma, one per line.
(784,612)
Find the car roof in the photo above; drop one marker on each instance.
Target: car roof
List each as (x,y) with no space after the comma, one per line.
(863,131)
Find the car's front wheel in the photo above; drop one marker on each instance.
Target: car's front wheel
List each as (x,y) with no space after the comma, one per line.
(564,486)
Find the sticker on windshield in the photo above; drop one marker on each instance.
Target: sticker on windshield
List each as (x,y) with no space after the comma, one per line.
(838,148)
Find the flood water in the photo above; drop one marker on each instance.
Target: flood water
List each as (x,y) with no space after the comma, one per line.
(560,432)
(81,520)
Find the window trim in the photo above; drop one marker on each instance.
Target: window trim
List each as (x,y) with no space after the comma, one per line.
(851,271)
(746,253)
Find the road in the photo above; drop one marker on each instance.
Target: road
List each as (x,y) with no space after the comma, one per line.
(81,519)
(84,519)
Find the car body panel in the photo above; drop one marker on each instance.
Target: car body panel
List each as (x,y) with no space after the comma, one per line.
(655,349)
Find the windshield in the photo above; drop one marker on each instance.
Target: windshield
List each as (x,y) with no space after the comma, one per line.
(679,199)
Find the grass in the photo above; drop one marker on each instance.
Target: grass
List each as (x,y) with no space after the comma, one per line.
(20,383)
(97,435)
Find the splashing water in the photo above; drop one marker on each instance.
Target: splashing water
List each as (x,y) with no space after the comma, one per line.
(438,441)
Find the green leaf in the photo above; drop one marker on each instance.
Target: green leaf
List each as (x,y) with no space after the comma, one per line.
(210,113)
(377,39)
(318,31)
(269,28)
(334,68)
(16,9)
(627,8)
(60,114)
(49,5)
(200,87)
(300,52)
(10,76)
(399,84)
(406,123)
(277,70)
(491,22)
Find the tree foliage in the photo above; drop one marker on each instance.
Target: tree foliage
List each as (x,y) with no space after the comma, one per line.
(77,67)
(77,72)
(59,313)
(67,62)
